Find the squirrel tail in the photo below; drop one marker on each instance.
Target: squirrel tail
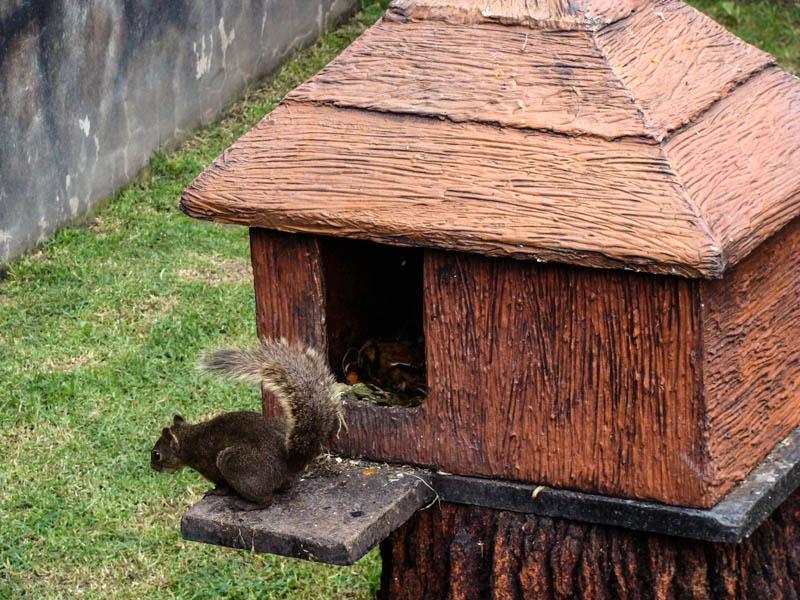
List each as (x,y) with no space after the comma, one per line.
(300,380)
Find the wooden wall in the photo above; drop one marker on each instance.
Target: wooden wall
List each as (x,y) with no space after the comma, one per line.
(635,385)
(751,342)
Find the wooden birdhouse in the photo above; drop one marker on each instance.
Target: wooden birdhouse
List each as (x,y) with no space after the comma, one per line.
(578,218)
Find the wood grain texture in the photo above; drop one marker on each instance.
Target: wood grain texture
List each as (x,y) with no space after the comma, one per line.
(645,75)
(677,62)
(414,181)
(576,378)
(580,378)
(546,14)
(511,76)
(467,552)
(751,339)
(632,385)
(290,300)
(740,162)
(334,516)
(658,143)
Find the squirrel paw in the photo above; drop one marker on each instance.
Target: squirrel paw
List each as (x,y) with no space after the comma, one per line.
(220,490)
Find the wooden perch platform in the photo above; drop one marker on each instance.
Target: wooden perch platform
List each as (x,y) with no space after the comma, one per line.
(335,518)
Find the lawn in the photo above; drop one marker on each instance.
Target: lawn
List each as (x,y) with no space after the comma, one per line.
(100,328)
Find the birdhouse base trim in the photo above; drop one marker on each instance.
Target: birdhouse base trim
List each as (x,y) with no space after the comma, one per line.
(731,520)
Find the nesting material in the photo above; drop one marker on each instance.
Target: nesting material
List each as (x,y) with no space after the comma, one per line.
(386,373)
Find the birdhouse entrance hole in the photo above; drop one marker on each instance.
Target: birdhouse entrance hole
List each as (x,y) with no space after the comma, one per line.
(374,316)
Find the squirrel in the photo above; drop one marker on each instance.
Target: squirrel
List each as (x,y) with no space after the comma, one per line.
(245,451)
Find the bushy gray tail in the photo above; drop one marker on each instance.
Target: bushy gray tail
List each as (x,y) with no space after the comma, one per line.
(300,380)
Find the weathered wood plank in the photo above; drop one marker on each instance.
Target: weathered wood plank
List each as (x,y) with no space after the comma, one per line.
(549,14)
(677,62)
(456,551)
(751,340)
(740,162)
(335,517)
(515,77)
(578,378)
(476,188)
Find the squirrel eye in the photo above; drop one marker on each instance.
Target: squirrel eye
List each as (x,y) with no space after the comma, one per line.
(155,455)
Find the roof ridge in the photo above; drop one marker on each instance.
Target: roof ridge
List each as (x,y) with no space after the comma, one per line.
(655,132)
(649,127)
(666,10)
(599,104)
(291,100)
(703,225)
(735,85)
(461,11)
(706,147)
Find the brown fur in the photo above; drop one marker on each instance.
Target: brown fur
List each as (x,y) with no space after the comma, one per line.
(245,451)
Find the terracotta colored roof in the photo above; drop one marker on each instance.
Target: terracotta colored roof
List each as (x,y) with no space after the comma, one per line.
(544,14)
(635,134)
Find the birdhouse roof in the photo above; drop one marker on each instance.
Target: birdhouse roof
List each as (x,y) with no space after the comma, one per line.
(631,134)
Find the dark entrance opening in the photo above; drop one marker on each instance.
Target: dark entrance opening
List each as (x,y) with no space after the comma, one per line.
(374,313)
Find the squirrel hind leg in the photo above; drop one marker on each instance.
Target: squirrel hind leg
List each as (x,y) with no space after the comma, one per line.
(252,478)
(238,503)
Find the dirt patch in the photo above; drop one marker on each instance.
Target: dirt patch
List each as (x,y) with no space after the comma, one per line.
(54,365)
(219,271)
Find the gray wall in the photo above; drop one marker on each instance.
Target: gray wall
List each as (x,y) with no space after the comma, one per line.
(90,88)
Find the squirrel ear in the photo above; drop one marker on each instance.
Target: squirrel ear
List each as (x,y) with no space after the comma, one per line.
(177,420)
(170,435)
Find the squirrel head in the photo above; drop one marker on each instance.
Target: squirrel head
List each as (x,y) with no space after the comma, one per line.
(165,455)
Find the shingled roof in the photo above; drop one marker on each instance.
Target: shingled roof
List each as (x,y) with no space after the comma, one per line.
(635,134)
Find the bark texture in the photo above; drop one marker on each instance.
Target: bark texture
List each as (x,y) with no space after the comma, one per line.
(579,378)
(288,280)
(736,175)
(427,182)
(569,82)
(401,68)
(459,552)
(633,385)
(648,52)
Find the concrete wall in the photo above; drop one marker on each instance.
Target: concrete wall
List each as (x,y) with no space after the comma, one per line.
(89,89)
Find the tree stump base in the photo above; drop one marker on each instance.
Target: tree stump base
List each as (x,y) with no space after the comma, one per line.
(454,551)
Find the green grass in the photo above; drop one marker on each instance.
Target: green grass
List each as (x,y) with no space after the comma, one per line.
(99,331)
